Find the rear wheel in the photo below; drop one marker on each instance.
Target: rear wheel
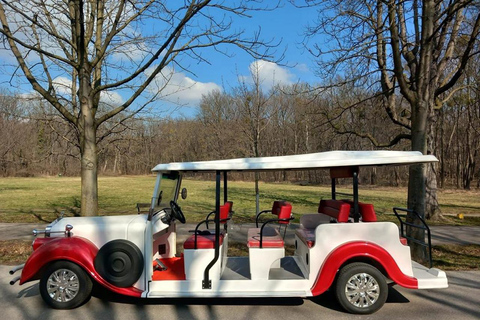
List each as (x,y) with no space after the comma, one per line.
(361,288)
(64,285)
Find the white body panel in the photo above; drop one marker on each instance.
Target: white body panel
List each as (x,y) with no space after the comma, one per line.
(384,234)
(262,260)
(100,230)
(197,260)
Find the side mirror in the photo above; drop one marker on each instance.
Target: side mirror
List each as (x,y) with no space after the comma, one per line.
(184,193)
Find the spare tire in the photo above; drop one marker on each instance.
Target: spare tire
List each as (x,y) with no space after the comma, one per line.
(120,262)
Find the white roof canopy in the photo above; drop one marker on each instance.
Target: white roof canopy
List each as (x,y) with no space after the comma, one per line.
(330,159)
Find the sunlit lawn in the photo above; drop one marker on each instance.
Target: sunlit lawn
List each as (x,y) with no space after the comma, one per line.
(42,198)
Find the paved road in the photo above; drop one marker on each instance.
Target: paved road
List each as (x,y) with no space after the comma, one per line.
(440,234)
(460,301)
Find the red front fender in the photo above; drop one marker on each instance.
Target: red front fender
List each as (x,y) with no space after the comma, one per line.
(75,249)
(354,250)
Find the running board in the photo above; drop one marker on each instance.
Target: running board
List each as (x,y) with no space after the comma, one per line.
(429,278)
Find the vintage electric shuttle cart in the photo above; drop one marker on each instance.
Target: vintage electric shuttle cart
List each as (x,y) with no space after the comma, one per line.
(341,247)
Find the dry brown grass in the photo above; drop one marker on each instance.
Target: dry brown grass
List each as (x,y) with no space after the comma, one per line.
(13,252)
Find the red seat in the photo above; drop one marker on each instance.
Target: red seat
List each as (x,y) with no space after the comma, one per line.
(276,208)
(337,209)
(225,213)
(203,241)
(366,211)
(284,212)
(271,239)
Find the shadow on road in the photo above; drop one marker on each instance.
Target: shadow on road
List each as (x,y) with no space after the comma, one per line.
(328,300)
(109,296)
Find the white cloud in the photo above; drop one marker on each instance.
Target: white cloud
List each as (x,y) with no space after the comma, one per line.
(268,74)
(178,88)
(302,67)
(111,97)
(63,86)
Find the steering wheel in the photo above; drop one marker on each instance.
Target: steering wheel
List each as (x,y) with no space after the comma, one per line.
(177,212)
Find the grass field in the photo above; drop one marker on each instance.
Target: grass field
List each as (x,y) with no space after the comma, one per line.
(43,198)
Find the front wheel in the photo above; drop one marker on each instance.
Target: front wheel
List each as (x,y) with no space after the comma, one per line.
(361,288)
(64,285)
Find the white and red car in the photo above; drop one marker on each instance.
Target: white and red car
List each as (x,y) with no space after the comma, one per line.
(135,255)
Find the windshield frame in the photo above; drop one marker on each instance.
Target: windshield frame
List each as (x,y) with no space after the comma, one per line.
(175,177)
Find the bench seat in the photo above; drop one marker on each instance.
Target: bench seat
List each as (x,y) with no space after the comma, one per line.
(328,211)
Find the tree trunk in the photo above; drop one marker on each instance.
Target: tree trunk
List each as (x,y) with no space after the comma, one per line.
(89,159)
(432,207)
(417,178)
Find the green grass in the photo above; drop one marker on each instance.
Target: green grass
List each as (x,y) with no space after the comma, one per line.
(42,198)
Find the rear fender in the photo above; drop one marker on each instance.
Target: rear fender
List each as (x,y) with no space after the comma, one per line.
(353,250)
(75,249)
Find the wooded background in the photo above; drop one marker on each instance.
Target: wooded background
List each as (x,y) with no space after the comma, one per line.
(241,122)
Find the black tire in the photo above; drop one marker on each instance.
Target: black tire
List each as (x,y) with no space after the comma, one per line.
(120,262)
(65,285)
(369,280)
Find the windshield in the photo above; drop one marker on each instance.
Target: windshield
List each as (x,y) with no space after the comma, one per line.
(168,188)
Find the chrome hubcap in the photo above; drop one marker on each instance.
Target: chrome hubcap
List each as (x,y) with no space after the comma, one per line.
(63,285)
(362,290)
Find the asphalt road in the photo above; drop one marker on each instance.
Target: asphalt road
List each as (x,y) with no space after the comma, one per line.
(460,301)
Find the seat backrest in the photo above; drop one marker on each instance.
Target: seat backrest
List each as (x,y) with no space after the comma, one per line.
(336,209)
(277,204)
(366,210)
(282,209)
(285,212)
(225,211)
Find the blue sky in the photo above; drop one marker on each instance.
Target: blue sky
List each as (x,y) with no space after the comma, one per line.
(285,24)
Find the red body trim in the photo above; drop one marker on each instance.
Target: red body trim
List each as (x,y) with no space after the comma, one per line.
(75,249)
(354,250)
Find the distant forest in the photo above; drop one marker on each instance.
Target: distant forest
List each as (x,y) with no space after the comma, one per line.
(245,122)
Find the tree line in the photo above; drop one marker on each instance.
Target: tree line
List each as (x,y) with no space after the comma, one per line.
(244,121)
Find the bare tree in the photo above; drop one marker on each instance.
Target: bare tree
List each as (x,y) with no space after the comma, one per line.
(400,49)
(76,54)
(256,110)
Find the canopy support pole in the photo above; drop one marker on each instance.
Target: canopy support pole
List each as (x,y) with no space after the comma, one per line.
(207,283)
